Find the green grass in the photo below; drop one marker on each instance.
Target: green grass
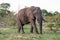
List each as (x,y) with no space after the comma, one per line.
(12,34)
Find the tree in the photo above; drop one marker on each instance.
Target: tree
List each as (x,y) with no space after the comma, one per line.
(2,12)
(5,6)
(56,12)
(45,12)
(49,14)
(4,9)
(6,15)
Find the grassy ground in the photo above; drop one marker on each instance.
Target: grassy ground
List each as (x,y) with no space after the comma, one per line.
(12,34)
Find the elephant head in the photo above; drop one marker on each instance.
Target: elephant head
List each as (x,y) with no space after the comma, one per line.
(38,14)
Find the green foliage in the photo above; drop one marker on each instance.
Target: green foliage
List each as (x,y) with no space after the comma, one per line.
(53,19)
(5,5)
(10,19)
(57,18)
(6,15)
(44,12)
(53,27)
(4,9)
(56,12)
(2,12)
(50,25)
(58,25)
(49,14)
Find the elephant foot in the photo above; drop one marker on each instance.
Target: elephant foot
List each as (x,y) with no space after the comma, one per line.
(18,31)
(31,32)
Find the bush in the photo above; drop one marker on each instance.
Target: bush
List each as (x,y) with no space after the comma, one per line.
(53,27)
(57,26)
(50,26)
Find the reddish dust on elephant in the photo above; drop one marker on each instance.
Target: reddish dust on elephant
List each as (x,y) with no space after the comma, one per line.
(29,15)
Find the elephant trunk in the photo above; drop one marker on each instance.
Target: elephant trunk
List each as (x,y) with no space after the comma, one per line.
(40,19)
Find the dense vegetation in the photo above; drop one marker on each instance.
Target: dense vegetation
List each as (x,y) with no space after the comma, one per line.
(8,26)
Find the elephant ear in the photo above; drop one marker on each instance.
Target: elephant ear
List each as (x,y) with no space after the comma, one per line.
(33,9)
(29,12)
(30,15)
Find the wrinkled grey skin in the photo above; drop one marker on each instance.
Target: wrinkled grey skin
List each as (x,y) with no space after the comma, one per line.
(30,15)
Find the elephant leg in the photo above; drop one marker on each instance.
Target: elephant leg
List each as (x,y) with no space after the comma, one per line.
(31,30)
(19,27)
(34,25)
(22,29)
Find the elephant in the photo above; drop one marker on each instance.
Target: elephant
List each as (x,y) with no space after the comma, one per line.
(30,15)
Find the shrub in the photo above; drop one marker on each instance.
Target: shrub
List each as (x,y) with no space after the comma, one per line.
(50,26)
